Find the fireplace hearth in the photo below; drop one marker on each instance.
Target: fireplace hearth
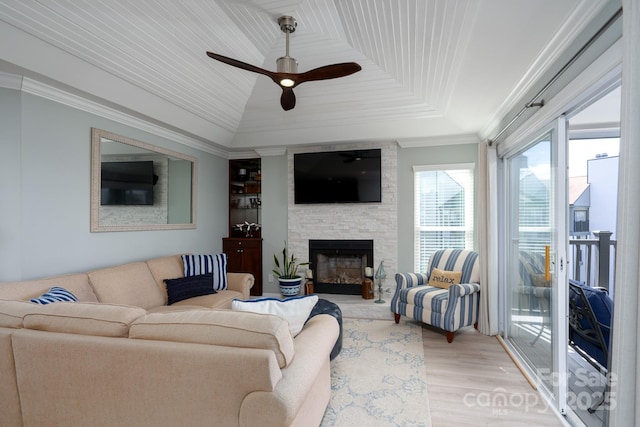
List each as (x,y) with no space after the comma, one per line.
(339,265)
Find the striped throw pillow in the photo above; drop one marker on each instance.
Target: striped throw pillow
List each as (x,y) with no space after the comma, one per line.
(55,294)
(195,265)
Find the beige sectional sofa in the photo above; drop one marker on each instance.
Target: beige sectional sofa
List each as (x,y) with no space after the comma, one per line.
(121,356)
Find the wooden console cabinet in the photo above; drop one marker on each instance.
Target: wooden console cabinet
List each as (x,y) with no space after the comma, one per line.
(244,255)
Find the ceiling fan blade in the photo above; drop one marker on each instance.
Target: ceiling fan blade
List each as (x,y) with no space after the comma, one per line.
(240,64)
(333,71)
(288,99)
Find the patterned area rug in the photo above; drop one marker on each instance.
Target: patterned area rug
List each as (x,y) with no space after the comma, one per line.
(357,308)
(379,378)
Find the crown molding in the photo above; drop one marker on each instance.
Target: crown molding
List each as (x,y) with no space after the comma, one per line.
(438,140)
(42,90)
(273,151)
(258,152)
(10,81)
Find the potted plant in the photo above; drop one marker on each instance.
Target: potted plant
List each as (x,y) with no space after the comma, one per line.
(287,272)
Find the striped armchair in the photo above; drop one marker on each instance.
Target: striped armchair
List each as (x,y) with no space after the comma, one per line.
(448,309)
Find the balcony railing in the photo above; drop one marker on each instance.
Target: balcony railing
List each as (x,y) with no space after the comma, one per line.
(593,260)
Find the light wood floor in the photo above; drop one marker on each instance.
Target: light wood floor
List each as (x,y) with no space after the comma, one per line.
(473,382)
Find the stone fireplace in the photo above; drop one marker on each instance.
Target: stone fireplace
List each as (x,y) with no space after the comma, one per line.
(339,265)
(349,221)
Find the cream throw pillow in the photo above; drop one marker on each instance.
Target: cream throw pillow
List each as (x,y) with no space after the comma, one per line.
(443,278)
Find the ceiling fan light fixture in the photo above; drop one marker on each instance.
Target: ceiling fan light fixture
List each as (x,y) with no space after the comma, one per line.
(287,83)
(289,65)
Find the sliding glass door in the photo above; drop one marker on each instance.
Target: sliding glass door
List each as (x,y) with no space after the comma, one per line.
(536,256)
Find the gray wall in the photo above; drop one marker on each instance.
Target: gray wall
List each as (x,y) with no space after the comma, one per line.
(10,184)
(45,192)
(274,215)
(407,158)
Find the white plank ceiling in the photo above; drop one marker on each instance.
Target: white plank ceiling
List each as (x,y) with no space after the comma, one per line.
(431,69)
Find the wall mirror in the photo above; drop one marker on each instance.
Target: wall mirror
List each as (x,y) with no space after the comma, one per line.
(138,186)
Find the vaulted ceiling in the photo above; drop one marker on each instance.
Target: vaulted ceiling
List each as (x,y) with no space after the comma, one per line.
(431,69)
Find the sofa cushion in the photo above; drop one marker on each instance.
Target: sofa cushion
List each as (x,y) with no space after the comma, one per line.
(200,264)
(295,310)
(183,288)
(105,320)
(444,279)
(55,294)
(78,284)
(12,312)
(221,299)
(219,327)
(167,267)
(127,284)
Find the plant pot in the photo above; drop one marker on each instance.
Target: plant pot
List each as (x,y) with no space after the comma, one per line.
(290,287)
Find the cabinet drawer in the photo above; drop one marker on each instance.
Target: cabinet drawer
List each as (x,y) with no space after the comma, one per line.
(231,244)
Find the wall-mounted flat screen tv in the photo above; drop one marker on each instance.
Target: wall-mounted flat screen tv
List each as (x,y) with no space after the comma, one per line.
(127,183)
(352,176)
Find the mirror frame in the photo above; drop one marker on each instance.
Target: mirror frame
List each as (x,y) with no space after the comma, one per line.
(96,159)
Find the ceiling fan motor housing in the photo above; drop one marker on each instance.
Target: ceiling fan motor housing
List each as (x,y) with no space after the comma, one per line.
(287,64)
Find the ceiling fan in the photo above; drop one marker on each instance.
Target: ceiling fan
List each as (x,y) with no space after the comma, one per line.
(287,76)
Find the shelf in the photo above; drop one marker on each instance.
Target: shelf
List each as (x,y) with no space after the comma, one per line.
(245,182)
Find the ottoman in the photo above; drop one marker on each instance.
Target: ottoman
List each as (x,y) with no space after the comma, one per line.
(327,307)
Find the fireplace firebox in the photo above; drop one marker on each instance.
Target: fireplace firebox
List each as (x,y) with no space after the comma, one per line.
(339,265)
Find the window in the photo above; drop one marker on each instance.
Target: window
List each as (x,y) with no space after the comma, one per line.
(580,221)
(443,210)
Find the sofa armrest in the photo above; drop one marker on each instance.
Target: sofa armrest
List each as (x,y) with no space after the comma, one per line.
(240,282)
(295,400)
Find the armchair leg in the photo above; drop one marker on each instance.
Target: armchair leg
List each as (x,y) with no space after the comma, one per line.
(475,325)
(450,336)
(396,317)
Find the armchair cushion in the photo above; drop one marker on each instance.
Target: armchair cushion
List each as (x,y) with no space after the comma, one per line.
(457,260)
(443,278)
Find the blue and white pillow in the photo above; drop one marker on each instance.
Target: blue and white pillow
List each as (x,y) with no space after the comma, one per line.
(55,294)
(195,265)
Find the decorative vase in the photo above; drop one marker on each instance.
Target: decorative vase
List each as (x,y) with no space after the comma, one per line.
(290,287)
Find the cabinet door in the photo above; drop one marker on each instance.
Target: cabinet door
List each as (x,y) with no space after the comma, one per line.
(245,203)
(245,256)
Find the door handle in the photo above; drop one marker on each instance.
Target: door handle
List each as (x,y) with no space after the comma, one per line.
(547,266)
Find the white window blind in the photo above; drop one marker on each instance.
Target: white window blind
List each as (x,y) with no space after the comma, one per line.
(443,210)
